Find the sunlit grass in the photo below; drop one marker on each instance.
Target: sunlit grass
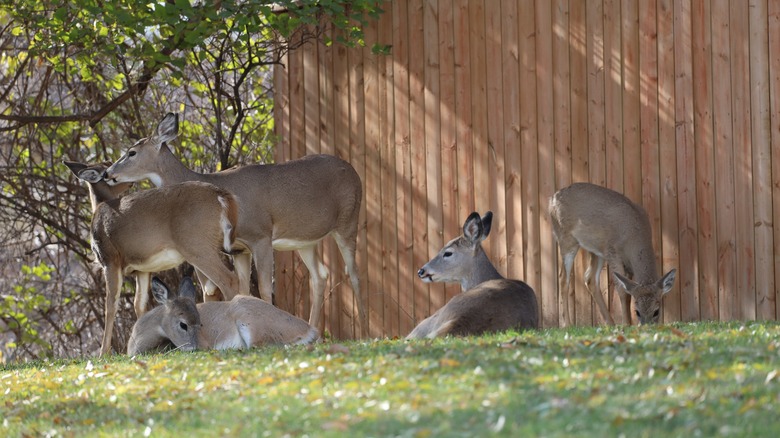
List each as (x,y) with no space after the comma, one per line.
(699,379)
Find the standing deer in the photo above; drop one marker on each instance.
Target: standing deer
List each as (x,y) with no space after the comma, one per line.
(154,230)
(288,206)
(489,301)
(610,227)
(243,322)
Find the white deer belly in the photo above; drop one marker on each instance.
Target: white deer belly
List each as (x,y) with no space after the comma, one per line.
(292,244)
(165,259)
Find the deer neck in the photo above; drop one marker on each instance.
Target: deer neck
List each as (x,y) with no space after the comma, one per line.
(149,335)
(642,264)
(482,272)
(170,170)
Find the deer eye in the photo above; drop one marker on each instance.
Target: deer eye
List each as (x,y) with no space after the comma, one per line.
(447,254)
(183,325)
(131,154)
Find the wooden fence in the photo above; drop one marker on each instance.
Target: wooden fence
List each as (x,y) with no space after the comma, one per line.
(489,104)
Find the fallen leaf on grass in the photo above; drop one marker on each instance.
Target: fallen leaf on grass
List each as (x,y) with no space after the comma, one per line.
(336,425)
(771,376)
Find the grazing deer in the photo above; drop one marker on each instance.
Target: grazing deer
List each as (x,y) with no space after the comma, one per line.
(610,227)
(243,322)
(489,302)
(288,206)
(155,230)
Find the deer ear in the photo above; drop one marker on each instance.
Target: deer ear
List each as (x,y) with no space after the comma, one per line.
(472,228)
(187,288)
(89,175)
(74,166)
(168,129)
(160,291)
(625,283)
(487,221)
(667,281)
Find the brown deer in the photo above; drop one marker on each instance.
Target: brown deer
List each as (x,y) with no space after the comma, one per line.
(489,301)
(154,230)
(243,322)
(288,206)
(610,227)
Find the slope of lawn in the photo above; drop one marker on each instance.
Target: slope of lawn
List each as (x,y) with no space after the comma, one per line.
(698,379)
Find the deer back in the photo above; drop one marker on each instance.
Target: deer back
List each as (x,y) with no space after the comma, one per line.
(247,321)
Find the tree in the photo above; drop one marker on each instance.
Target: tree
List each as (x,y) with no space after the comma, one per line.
(82,80)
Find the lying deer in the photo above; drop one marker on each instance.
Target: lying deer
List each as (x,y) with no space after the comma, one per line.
(288,206)
(610,227)
(489,301)
(244,322)
(154,230)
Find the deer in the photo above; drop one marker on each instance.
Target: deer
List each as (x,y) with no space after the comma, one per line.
(488,302)
(154,230)
(612,228)
(287,206)
(243,322)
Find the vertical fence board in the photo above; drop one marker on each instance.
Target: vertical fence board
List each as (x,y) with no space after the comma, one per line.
(743,160)
(687,266)
(773,24)
(562,130)
(403,165)
(419,189)
(724,160)
(449,160)
(463,110)
(667,157)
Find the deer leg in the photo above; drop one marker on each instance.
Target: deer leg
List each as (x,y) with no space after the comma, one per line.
(242,263)
(625,298)
(347,249)
(263,254)
(317,276)
(113,286)
(141,300)
(210,264)
(568,292)
(210,290)
(594,272)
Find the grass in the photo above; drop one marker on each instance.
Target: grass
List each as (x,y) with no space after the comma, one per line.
(698,379)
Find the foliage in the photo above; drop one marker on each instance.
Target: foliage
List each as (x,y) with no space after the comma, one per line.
(81,80)
(701,379)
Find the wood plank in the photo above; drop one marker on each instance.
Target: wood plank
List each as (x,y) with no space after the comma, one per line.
(613,120)
(687,278)
(403,164)
(546,290)
(373,199)
(432,107)
(667,126)
(762,159)
(342,293)
(281,154)
(419,180)
(632,170)
(596,118)
(704,140)
(389,260)
(295,290)
(743,160)
(508,151)
(648,120)
(773,24)
(562,129)
(724,161)
(529,164)
(451,224)
(495,92)
(579,132)
(481,159)
(463,109)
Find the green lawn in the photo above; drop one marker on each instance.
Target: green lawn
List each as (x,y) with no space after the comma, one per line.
(690,380)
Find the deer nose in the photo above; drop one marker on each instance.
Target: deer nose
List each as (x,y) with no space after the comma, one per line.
(105,174)
(421,273)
